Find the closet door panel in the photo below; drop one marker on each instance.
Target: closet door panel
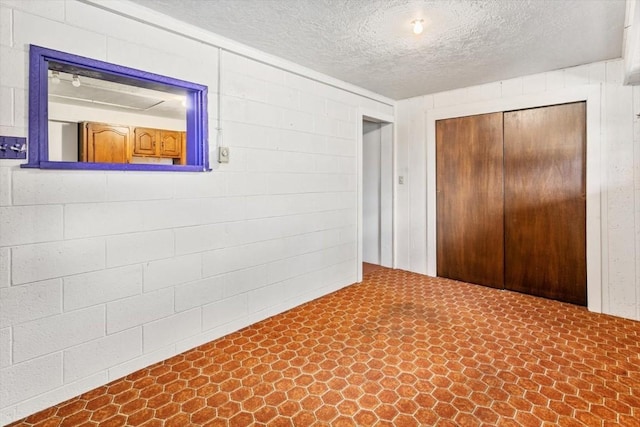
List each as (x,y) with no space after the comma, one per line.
(470,215)
(545,202)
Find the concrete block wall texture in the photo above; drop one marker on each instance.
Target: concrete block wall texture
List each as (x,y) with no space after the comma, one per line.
(620,171)
(156,263)
(103,273)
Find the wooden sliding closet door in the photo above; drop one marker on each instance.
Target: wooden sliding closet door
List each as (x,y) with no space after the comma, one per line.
(470,216)
(545,202)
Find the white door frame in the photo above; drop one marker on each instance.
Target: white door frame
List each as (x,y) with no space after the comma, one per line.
(596,193)
(387,134)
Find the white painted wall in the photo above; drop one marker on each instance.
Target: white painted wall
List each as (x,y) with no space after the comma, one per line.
(63,141)
(105,272)
(619,168)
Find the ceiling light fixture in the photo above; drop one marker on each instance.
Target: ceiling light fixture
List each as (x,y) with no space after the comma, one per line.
(55,77)
(75,81)
(417,26)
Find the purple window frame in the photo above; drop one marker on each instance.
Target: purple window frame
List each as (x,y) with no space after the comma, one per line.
(197,133)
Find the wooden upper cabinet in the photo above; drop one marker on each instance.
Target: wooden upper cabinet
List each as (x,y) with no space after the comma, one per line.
(170,143)
(144,141)
(104,143)
(157,143)
(107,143)
(183,142)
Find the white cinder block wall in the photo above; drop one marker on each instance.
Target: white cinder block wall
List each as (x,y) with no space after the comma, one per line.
(102,273)
(620,171)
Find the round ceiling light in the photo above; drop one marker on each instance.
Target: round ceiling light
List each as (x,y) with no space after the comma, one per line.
(417,26)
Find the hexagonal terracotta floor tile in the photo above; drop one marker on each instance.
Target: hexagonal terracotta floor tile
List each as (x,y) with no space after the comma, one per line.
(398,349)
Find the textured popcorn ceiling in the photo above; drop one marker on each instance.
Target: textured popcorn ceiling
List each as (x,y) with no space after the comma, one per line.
(370,43)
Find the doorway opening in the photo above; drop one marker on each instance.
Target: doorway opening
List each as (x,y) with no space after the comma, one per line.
(377,194)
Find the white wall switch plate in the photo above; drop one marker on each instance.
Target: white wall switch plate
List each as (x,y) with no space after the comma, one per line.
(223,154)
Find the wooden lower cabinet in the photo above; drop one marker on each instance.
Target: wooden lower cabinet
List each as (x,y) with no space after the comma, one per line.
(109,143)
